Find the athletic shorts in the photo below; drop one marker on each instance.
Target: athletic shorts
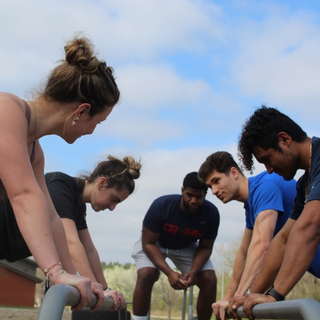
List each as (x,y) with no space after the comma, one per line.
(182,258)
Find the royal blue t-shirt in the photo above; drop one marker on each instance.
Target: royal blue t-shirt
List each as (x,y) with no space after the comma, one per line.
(269,192)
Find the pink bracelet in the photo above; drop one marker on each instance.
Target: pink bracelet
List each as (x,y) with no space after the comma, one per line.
(47,270)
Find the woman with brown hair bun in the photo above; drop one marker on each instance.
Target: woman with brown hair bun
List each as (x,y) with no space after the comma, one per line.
(110,183)
(80,93)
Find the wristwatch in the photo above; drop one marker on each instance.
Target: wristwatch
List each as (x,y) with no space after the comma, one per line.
(273,293)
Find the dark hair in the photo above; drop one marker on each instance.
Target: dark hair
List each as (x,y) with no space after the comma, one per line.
(119,173)
(191,180)
(220,161)
(262,129)
(82,78)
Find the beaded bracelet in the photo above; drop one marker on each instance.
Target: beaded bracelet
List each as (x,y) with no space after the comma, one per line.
(47,270)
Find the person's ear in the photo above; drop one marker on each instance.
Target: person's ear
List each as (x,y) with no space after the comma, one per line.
(234,172)
(82,109)
(102,182)
(284,139)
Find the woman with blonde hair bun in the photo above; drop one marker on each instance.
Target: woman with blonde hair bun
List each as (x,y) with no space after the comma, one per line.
(110,183)
(79,93)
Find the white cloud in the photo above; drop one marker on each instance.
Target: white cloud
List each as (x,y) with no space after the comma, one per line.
(190,73)
(279,59)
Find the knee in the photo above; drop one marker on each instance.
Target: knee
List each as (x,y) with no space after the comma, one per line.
(207,279)
(147,276)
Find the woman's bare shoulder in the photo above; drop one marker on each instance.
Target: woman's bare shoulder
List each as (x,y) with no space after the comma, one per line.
(10,98)
(11,104)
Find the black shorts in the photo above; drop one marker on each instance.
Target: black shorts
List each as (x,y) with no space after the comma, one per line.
(12,245)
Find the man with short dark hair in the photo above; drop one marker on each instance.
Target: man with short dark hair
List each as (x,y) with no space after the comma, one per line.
(267,199)
(283,147)
(182,228)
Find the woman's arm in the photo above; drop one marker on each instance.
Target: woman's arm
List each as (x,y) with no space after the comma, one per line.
(92,256)
(28,201)
(58,231)
(26,197)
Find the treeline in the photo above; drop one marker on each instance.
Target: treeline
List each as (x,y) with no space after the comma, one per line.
(168,302)
(165,301)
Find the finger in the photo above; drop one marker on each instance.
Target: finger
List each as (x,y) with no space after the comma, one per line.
(247,309)
(215,308)
(82,303)
(222,314)
(100,300)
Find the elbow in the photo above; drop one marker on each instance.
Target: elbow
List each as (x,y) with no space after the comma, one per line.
(263,247)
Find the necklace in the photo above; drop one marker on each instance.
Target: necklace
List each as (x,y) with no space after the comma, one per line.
(35,118)
(308,176)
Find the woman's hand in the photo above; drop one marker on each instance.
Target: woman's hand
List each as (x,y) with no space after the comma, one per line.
(97,290)
(117,297)
(82,284)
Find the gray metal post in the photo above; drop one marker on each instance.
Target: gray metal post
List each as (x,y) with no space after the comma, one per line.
(190,306)
(184,305)
(59,296)
(299,309)
(190,310)
(122,314)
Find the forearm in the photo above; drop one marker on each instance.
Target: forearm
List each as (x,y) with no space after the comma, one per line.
(95,265)
(80,260)
(61,244)
(256,253)
(270,266)
(155,255)
(301,248)
(32,215)
(236,275)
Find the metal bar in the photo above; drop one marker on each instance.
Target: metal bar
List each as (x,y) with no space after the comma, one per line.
(184,305)
(122,314)
(59,296)
(190,310)
(299,309)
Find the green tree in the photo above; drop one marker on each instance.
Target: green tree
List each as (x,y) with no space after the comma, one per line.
(164,293)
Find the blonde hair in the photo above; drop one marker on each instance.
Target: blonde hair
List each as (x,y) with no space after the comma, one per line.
(119,173)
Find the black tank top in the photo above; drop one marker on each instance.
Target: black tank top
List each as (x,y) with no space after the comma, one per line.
(28,117)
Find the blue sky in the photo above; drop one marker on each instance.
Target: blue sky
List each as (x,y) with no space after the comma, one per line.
(189,72)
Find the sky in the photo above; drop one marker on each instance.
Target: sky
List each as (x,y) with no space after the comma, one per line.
(190,73)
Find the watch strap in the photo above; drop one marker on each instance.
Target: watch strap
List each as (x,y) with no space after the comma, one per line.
(275,294)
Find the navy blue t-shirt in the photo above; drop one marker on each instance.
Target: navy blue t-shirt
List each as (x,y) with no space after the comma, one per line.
(177,229)
(313,194)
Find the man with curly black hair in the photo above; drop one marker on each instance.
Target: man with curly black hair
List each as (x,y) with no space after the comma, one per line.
(283,147)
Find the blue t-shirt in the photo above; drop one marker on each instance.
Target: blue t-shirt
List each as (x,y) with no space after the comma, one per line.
(313,194)
(269,192)
(177,229)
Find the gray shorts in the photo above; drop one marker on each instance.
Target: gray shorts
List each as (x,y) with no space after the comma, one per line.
(182,258)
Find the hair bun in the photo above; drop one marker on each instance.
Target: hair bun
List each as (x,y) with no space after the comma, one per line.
(133,166)
(79,52)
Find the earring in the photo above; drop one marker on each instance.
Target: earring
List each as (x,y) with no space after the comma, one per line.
(74,121)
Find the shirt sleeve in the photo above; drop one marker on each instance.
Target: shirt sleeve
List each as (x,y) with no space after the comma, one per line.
(153,220)
(212,232)
(62,198)
(266,196)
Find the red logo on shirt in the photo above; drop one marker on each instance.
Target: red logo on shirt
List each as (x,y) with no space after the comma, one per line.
(171,228)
